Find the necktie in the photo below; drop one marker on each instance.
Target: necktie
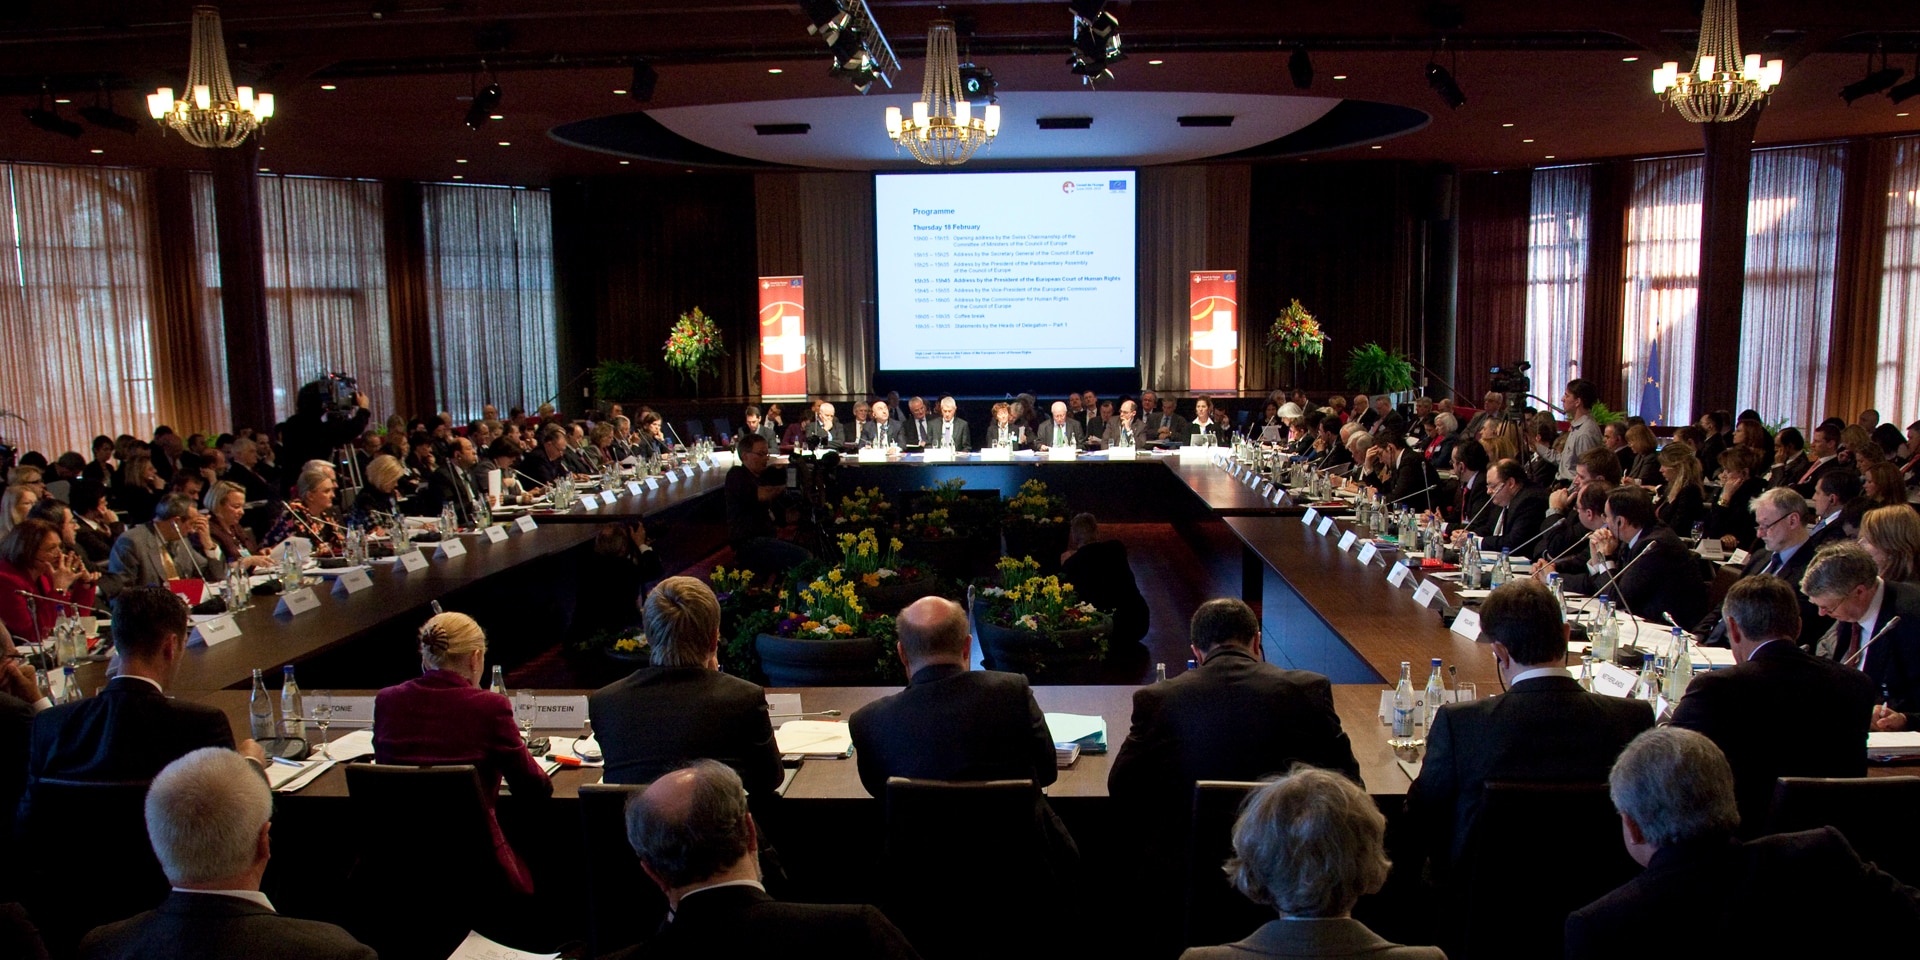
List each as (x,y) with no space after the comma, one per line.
(1849,642)
(167,566)
(946,434)
(1059,435)
(1810,469)
(1774,565)
(1500,525)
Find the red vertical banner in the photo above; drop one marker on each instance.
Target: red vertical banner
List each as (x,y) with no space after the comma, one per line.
(1213,356)
(783,339)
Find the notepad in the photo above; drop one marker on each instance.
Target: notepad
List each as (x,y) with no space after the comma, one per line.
(1893,743)
(817,739)
(477,947)
(350,747)
(1089,732)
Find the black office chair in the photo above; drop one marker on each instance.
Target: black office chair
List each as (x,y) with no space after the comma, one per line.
(624,905)
(1503,863)
(1873,813)
(954,844)
(722,429)
(694,432)
(426,872)
(1216,912)
(85,847)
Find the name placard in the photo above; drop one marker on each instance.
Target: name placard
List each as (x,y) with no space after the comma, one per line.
(1612,680)
(346,708)
(1122,453)
(1279,496)
(1738,558)
(216,630)
(1466,623)
(1397,574)
(560,713)
(1346,540)
(413,561)
(996,455)
(673,477)
(1062,453)
(1367,553)
(525,524)
(872,455)
(653,483)
(1307,519)
(937,455)
(496,533)
(1326,524)
(633,487)
(590,502)
(296,603)
(351,582)
(449,548)
(688,471)
(1428,590)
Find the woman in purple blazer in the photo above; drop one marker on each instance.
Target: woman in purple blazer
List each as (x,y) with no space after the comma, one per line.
(444,717)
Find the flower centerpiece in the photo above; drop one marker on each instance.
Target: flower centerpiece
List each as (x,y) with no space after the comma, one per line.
(1034,505)
(863,508)
(621,643)
(878,573)
(931,524)
(1295,334)
(1034,624)
(694,347)
(824,635)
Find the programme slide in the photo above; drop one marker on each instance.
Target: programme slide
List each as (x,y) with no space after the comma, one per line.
(1006,271)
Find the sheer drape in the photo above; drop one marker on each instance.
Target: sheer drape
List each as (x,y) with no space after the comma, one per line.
(820,226)
(1172,240)
(209,320)
(76,305)
(489,273)
(1491,298)
(1897,377)
(1557,250)
(1786,321)
(1662,287)
(326,286)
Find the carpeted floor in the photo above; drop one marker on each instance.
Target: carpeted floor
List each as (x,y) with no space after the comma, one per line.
(1177,570)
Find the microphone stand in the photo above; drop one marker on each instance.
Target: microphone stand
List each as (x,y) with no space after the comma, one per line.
(1529,541)
(1861,654)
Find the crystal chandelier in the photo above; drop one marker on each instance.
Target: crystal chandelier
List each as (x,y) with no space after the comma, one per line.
(943,132)
(1713,93)
(213,113)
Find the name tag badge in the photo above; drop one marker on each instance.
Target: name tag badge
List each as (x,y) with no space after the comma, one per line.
(633,487)
(1307,519)
(1738,558)
(525,524)
(1467,623)
(351,582)
(653,483)
(1326,524)
(1346,540)
(1397,574)
(413,561)
(1367,553)
(1428,590)
(496,533)
(214,631)
(1613,681)
(450,548)
(296,603)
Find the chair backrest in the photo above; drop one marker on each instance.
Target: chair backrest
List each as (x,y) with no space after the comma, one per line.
(623,904)
(426,870)
(722,429)
(949,843)
(1503,862)
(390,802)
(69,831)
(694,432)
(1873,813)
(1216,912)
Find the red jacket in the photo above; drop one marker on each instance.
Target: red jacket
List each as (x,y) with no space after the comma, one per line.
(14,611)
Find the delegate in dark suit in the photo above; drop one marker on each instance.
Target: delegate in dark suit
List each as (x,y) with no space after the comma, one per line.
(1666,581)
(1544,729)
(1744,710)
(16,733)
(1517,522)
(659,719)
(1788,895)
(1050,434)
(1812,624)
(1317,937)
(1101,575)
(743,921)
(939,434)
(214,926)
(1893,661)
(451,484)
(873,433)
(129,731)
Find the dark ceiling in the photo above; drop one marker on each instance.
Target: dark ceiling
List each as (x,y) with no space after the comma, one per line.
(1545,82)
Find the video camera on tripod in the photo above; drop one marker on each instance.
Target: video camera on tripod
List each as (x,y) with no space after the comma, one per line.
(1512,380)
(336,392)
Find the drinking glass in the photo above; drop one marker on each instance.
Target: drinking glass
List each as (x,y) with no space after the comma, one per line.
(526,707)
(1465,691)
(322,701)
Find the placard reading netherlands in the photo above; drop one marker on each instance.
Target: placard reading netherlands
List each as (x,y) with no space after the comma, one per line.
(999,271)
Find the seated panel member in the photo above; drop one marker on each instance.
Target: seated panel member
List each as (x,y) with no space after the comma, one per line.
(1062,430)
(950,431)
(1125,428)
(1640,564)
(1006,433)
(823,429)
(880,430)
(1803,894)
(1786,546)
(176,544)
(1203,423)
(1519,510)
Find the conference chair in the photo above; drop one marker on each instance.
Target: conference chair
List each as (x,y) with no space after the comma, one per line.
(623,903)
(722,430)
(1584,861)
(425,872)
(694,432)
(1874,814)
(967,870)
(84,846)
(1215,911)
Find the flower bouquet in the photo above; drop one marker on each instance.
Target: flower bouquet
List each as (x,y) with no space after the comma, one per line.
(1034,624)
(1035,524)
(1295,334)
(694,347)
(824,636)
(868,508)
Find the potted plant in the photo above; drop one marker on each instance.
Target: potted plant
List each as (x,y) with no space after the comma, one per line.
(616,380)
(694,347)
(1034,625)
(1035,524)
(1295,334)
(875,571)
(863,509)
(1374,369)
(825,637)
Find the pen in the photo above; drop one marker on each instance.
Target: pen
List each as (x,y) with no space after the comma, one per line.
(290,763)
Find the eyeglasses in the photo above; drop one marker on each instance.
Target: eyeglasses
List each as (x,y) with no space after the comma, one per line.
(1769,525)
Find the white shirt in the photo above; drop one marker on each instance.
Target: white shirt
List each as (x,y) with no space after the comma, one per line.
(757,885)
(251,896)
(1529,674)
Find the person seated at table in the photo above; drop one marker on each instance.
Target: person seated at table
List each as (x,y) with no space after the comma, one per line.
(880,430)
(131,729)
(950,431)
(1642,565)
(1204,424)
(1166,423)
(15,504)
(1681,501)
(1310,844)
(765,428)
(1891,535)
(1097,418)
(695,838)
(140,485)
(548,461)
(823,430)
(176,544)
(1102,576)
(378,503)
(1123,430)
(1803,894)
(1730,516)
(1882,484)
(1400,473)
(682,706)
(33,560)
(1060,430)
(444,716)
(99,525)
(504,455)
(453,483)
(208,818)
(310,513)
(226,502)
(862,415)
(1004,432)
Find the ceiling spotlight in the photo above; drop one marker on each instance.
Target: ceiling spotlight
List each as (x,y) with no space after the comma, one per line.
(329,86)
(485,102)
(1442,82)
(1300,66)
(1872,83)
(644,79)
(1096,42)
(977,84)
(101,115)
(52,122)
(1909,88)
(861,53)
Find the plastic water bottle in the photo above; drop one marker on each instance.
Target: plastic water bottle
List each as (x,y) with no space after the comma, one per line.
(293,712)
(499,685)
(1159,672)
(1472,573)
(1605,635)
(1403,702)
(1559,589)
(1433,697)
(260,710)
(73,692)
(448,522)
(1679,667)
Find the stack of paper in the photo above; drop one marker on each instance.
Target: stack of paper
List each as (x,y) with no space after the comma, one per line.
(351,747)
(1089,733)
(477,947)
(1891,744)
(1064,754)
(816,739)
(288,779)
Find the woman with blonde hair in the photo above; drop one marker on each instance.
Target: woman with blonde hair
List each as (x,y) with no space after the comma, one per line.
(444,716)
(1891,536)
(1502,440)
(378,502)
(15,504)
(1645,469)
(1858,447)
(1682,501)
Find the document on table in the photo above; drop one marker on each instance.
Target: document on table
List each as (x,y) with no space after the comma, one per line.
(287,779)
(1893,743)
(349,748)
(815,739)
(1071,727)
(477,947)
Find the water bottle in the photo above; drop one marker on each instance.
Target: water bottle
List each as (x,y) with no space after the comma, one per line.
(356,544)
(499,685)
(1603,639)
(73,692)
(1586,673)
(293,712)
(1559,593)
(1159,672)
(260,710)
(1403,702)
(1504,572)
(448,522)
(1471,571)
(1679,667)
(1648,686)
(1433,697)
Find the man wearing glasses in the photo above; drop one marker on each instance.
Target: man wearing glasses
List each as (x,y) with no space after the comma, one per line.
(1780,518)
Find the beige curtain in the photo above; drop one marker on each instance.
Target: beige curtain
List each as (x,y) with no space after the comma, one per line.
(820,226)
(1556,280)
(1662,285)
(1786,320)
(489,288)
(1897,377)
(1191,218)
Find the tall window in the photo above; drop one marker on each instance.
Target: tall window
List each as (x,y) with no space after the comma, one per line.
(326,286)
(211,320)
(1662,289)
(1896,386)
(76,305)
(1786,321)
(489,276)
(1557,276)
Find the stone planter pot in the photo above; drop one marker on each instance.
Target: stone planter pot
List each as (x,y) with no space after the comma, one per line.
(1075,659)
(834,662)
(891,598)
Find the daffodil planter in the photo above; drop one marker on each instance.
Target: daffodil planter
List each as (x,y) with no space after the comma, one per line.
(822,662)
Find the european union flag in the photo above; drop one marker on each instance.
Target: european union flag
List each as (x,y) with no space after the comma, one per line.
(1651,401)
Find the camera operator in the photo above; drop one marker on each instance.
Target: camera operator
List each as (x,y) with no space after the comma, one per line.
(750,502)
(323,420)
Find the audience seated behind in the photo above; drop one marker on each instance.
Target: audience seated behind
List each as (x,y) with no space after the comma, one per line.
(445,717)
(1643,566)
(1681,502)
(310,513)
(32,559)
(1785,548)
(1788,895)
(208,816)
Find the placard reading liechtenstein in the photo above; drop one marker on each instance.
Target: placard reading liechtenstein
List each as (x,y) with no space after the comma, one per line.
(783,339)
(1006,270)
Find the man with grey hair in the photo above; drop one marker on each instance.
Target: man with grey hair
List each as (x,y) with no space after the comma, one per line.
(695,838)
(176,544)
(245,470)
(1739,708)
(1782,519)
(1061,430)
(1876,626)
(1787,895)
(208,817)
(1310,844)
(682,708)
